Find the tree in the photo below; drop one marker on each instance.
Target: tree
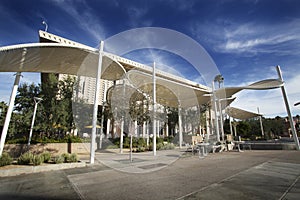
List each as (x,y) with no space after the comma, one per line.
(243,129)
(57,101)
(24,106)
(220,79)
(3,110)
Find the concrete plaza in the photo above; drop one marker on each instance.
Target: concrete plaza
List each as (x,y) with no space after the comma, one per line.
(226,175)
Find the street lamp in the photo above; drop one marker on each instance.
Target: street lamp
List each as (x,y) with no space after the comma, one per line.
(36,101)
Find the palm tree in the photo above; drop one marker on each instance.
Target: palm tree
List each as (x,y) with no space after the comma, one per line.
(220,79)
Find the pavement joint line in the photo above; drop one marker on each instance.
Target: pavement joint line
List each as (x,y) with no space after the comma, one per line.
(289,189)
(74,186)
(221,181)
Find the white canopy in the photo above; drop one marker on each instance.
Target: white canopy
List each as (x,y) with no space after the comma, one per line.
(240,114)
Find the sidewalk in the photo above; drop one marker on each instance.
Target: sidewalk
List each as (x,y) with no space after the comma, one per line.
(226,175)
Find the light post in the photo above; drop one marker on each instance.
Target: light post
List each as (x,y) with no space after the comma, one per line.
(36,101)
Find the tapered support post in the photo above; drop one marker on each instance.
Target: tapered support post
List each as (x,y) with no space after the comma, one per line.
(286,102)
(9,111)
(95,109)
(154,109)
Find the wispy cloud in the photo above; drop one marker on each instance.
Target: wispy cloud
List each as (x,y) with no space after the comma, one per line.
(185,6)
(136,16)
(83,14)
(250,38)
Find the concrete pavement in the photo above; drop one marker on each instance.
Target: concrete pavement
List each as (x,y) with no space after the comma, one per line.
(227,175)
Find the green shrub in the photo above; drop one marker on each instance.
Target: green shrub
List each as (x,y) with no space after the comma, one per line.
(140,149)
(46,156)
(58,159)
(159,140)
(37,160)
(25,159)
(5,159)
(126,142)
(112,147)
(66,157)
(141,142)
(73,157)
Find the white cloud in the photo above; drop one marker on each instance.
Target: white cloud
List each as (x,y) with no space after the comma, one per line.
(250,38)
(84,16)
(136,14)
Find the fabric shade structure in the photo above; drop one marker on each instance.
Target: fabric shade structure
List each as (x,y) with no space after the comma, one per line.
(168,93)
(260,85)
(240,114)
(57,58)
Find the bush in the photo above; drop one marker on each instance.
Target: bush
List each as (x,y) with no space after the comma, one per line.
(46,156)
(37,160)
(5,159)
(25,159)
(66,157)
(58,159)
(112,147)
(141,142)
(73,157)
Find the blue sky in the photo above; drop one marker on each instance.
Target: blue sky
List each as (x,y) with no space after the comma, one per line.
(245,38)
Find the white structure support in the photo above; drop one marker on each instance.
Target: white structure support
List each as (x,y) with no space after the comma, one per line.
(230,125)
(180,126)
(154,110)
(221,120)
(261,125)
(216,113)
(288,109)
(95,109)
(102,116)
(121,134)
(107,128)
(36,101)
(9,111)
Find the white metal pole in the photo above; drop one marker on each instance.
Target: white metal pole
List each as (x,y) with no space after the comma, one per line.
(154,110)
(230,125)
(95,109)
(288,110)
(9,111)
(180,126)
(102,115)
(261,125)
(130,154)
(121,134)
(221,120)
(36,101)
(216,113)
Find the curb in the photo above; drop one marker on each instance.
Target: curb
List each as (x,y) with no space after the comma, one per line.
(21,169)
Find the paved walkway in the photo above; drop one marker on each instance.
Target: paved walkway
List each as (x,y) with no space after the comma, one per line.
(227,175)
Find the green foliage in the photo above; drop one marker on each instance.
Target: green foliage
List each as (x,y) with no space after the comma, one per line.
(46,156)
(141,142)
(45,140)
(25,159)
(66,157)
(112,146)
(37,160)
(58,159)
(22,140)
(243,129)
(5,159)
(29,158)
(73,157)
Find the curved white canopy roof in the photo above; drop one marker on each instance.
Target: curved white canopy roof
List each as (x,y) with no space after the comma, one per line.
(240,114)
(57,58)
